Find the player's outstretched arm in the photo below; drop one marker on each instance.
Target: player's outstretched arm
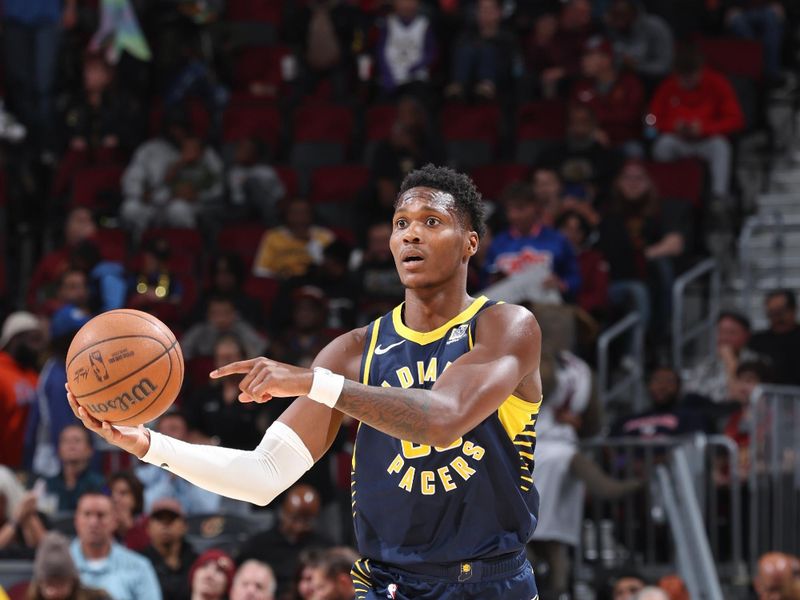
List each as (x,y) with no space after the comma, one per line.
(505,358)
(289,448)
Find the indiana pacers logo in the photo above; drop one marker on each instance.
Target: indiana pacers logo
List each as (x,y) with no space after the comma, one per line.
(98,365)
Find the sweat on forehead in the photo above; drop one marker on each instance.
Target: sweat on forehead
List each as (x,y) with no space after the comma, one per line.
(435,198)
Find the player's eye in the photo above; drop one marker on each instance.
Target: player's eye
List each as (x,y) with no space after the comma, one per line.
(400,223)
(432,221)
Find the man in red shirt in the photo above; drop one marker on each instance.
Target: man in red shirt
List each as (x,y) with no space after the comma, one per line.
(694,110)
(617,98)
(21,341)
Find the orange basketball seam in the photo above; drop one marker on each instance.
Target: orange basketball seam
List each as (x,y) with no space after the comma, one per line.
(144,366)
(141,315)
(117,337)
(163,387)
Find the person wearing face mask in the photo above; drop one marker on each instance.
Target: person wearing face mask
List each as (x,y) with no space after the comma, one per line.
(21,341)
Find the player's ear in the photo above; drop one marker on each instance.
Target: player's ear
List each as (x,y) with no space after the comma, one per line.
(472,243)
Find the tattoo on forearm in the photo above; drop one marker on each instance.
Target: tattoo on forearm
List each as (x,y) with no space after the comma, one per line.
(404,414)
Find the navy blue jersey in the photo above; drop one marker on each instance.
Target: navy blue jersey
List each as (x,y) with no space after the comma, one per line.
(415,504)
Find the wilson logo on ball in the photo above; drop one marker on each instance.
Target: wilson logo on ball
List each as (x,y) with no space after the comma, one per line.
(125,400)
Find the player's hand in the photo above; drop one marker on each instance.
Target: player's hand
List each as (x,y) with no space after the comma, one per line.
(135,440)
(265,378)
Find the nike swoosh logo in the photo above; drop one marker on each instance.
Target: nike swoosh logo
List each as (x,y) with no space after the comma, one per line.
(379,350)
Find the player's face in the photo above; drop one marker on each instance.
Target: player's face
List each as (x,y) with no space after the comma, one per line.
(429,242)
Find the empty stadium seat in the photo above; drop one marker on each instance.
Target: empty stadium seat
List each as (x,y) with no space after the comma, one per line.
(290,179)
(538,125)
(112,243)
(181,240)
(683,178)
(242,239)
(260,64)
(492,180)
(259,121)
(263,289)
(734,56)
(338,184)
(379,121)
(265,11)
(97,187)
(471,133)
(197,113)
(321,137)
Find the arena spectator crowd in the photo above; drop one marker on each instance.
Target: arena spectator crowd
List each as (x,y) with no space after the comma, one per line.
(231,168)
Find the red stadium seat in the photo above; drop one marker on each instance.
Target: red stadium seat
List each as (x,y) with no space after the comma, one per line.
(492,180)
(461,123)
(18,591)
(734,56)
(289,178)
(323,123)
(684,179)
(543,120)
(198,115)
(181,240)
(112,243)
(264,11)
(197,370)
(340,184)
(242,239)
(91,184)
(259,64)
(379,121)
(263,289)
(258,121)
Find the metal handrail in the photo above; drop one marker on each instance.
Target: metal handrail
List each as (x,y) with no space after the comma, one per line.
(681,337)
(632,383)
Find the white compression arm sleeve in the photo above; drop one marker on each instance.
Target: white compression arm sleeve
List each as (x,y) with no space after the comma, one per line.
(255,476)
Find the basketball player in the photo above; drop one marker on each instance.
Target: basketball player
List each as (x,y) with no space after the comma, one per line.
(447,390)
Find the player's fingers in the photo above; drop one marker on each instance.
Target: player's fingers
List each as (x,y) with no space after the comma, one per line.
(244,384)
(245,397)
(258,383)
(73,404)
(111,433)
(242,366)
(88,420)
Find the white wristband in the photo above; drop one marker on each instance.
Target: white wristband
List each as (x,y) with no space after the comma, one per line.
(326,387)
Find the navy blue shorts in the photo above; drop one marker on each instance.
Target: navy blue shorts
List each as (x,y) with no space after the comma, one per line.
(506,578)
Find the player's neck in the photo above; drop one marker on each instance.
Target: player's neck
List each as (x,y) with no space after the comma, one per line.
(427,309)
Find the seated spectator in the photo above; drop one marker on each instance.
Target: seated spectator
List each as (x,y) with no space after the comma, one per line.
(485,57)
(171,180)
(397,156)
(379,284)
(281,545)
(72,288)
(762,21)
(405,50)
(160,483)
(713,376)
(593,294)
(228,274)
(254,188)
(307,333)
(694,111)
(103,563)
(78,226)
(780,342)
(170,553)
(154,283)
(642,42)
(334,278)
(290,250)
(668,417)
(107,279)
(331,579)
(555,46)
(55,576)
(99,124)
(254,580)
(127,496)
(221,318)
(215,413)
(674,586)
(76,476)
(529,244)
(616,97)
(555,198)
(642,237)
(51,413)
(586,166)
(21,343)
(211,576)
(627,585)
(21,526)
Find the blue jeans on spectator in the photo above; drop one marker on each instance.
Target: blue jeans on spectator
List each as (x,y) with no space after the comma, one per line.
(31,57)
(474,62)
(765,25)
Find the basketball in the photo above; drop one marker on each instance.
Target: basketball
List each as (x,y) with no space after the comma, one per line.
(125,367)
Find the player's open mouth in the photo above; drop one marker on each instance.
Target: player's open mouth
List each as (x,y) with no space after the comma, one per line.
(409,259)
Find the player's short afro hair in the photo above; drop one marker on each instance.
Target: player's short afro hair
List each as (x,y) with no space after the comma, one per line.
(467,197)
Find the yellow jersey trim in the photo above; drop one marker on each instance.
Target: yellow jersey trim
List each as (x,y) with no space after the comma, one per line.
(426,337)
(371,350)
